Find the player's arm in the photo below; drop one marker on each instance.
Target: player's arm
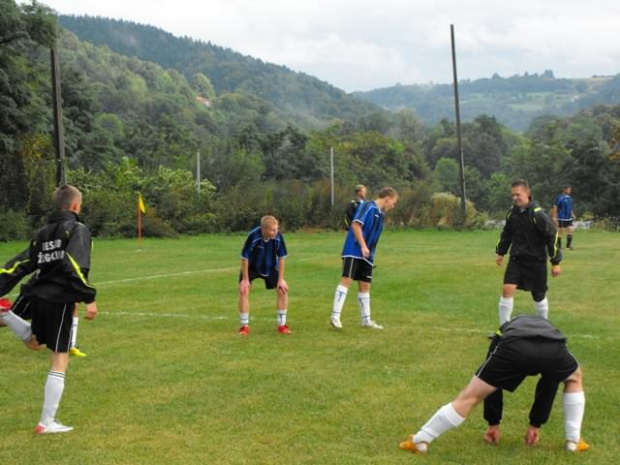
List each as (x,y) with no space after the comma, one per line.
(359,237)
(505,239)
(77,263)
(14,270)
(546,390)
(550,233)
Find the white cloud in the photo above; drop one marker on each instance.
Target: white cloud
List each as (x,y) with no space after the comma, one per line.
(362,44)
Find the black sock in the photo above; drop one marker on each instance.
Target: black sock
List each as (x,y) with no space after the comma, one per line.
(559,242)
(569,240)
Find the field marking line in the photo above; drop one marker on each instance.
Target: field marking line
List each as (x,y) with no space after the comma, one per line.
(186,273)
(185,316)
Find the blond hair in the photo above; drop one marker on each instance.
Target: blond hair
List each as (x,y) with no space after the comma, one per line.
(268,221)
(66,196)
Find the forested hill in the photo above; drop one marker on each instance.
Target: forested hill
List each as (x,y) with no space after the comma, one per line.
(514,101)
(304,99)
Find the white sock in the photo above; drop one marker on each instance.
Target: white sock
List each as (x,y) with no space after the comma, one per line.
(505,309)
(574,404)
(54,387)
(542,308)
(339,297)
(281,317)
(244,319)
(363,299)
(74,328)
(20,327)
(445,419)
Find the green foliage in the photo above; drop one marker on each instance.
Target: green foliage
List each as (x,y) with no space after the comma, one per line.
(14,226)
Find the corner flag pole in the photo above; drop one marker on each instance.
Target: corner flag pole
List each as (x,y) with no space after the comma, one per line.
(458,129)
(141,210)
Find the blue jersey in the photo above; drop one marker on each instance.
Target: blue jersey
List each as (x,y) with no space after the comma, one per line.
(263,254)
(370,216)
(564,205)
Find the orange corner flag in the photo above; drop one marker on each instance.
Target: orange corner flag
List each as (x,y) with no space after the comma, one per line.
(141,205)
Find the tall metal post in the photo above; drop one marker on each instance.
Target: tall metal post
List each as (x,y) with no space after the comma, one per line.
(458,128)
(59,139)
(331,164)
(198,172)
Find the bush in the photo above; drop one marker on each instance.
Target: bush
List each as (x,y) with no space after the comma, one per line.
(13,226)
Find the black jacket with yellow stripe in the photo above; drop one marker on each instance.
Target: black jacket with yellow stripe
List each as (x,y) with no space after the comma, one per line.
(530,235)
(60,254)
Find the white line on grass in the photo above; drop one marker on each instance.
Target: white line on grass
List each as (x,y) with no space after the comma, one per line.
(124,313)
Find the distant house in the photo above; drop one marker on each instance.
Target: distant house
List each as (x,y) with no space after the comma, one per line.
(204,100)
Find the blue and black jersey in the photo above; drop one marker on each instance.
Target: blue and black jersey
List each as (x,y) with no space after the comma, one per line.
(564,205)
(263,255)
(370,217)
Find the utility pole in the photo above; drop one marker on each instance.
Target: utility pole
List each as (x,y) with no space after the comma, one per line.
(198,171)
(458,129)
(331,164)
(59,139)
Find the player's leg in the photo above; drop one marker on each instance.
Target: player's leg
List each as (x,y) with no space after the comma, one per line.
(506,302)
(20,327)
(73,348)
(574,404)
(560,232)
(541,304)
(449,416)
(281,303)
(569,236)
(244,308)
(340,296)
(53,322)
(363,299)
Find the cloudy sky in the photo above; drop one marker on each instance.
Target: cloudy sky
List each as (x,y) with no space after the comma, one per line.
(367,44)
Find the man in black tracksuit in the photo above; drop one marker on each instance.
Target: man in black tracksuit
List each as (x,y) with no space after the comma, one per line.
(60,256)
(528,345)
(531,236)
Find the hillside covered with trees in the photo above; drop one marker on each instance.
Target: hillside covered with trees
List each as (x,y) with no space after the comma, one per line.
(514,101)
(133,125)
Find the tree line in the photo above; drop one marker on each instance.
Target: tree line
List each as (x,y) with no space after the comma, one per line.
(132,126)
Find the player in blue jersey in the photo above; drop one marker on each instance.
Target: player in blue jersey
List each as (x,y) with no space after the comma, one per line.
(563,216)
(358,255)
(263,256)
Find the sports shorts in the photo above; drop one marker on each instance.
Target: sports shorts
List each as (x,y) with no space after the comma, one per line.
(51,323)
(271,281)
(528,275)
(509,364)
(565,223)
(356,269)
(21,307)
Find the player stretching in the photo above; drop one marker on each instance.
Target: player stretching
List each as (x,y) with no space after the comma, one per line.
(359,253)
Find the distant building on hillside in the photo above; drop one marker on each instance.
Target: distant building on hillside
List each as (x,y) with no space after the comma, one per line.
(204,100)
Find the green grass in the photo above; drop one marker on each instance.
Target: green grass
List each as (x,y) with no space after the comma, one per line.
(167,379)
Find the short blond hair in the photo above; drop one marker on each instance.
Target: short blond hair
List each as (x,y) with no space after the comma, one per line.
(66,196)
(268,221)
(388,192)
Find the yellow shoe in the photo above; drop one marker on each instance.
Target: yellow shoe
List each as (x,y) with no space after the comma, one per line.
(77,352)
(420,448)
(580,446)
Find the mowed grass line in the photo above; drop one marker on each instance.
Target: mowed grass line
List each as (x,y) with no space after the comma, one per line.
(168,380)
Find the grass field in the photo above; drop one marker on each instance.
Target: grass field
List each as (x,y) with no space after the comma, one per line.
(168,381)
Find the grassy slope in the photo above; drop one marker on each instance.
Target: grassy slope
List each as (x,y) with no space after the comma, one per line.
(168,380)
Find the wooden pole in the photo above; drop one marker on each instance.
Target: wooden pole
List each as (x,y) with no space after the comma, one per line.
(458,129)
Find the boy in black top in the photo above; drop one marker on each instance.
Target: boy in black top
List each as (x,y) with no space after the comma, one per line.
(525,346)
(60,254)
(531,236)
(353,205)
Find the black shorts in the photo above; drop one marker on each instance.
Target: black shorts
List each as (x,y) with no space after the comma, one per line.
(528,275)
(356,269)
(565,223)
(51,323)
(21,307)
(509,364)
(271,281)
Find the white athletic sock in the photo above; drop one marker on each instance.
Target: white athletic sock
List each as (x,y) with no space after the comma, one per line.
(20,327)
(74,328)
(244,319)
(445,419)
(339,297)
(574,404)
(363,299)
(542,308)
(505,309)
(54,387)
(281,317)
